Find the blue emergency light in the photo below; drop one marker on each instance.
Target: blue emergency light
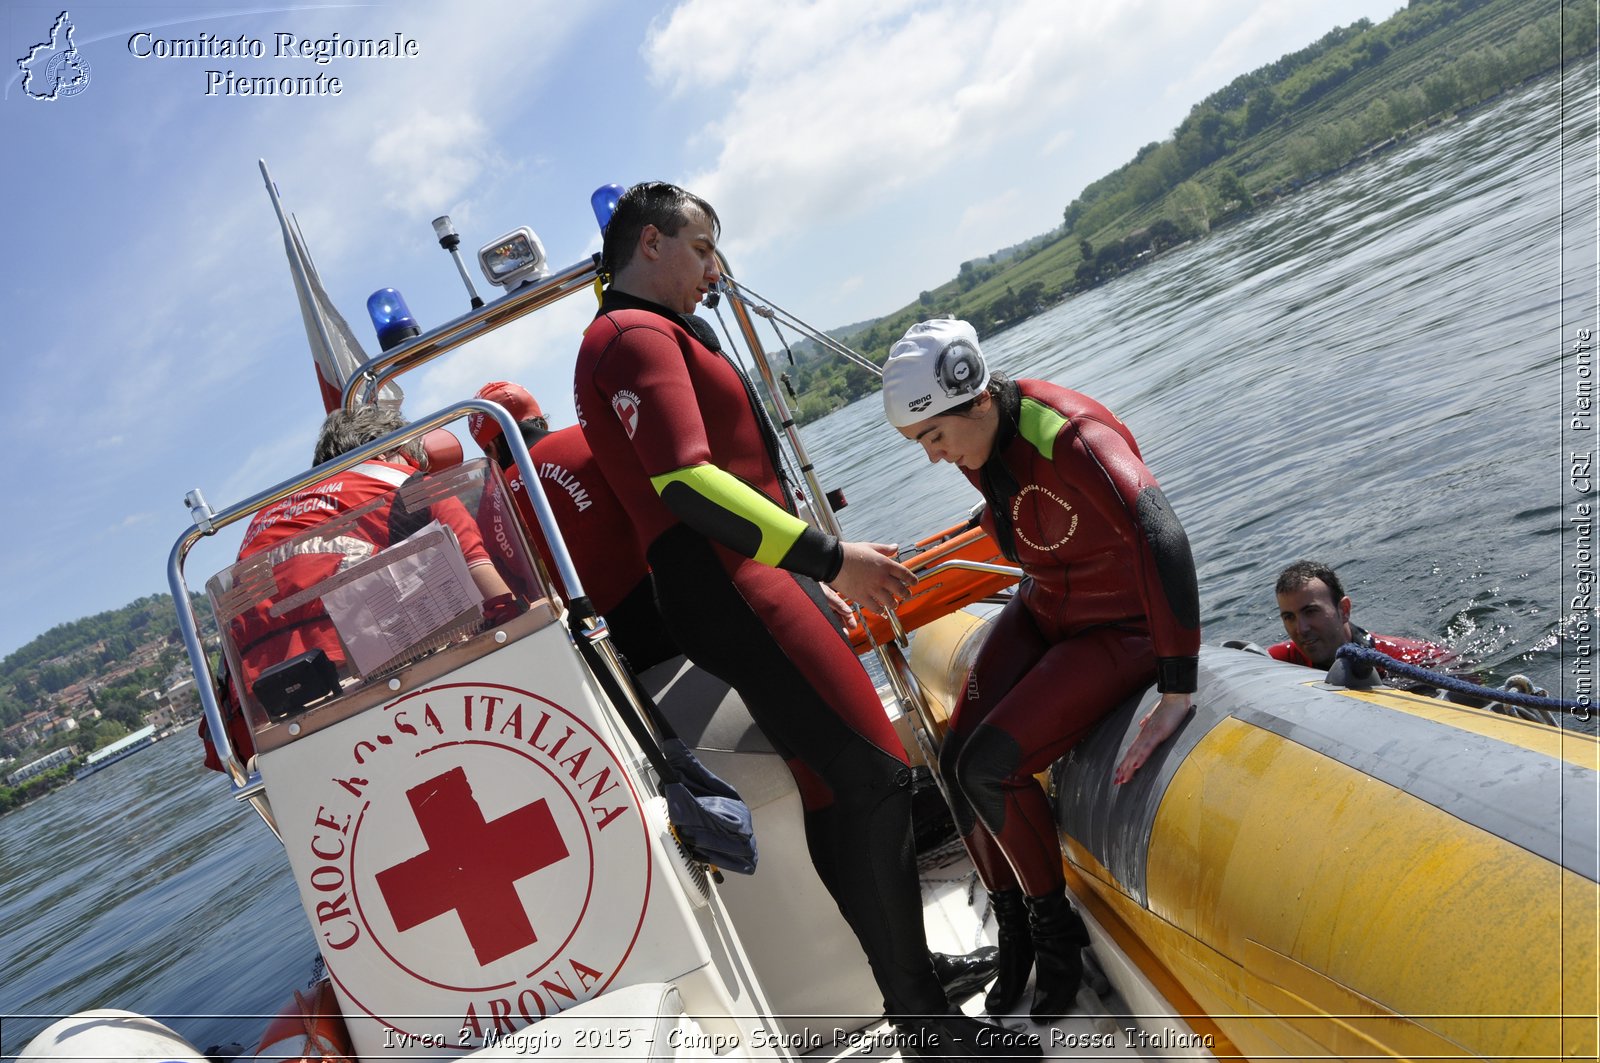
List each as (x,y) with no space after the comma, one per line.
(391,317)
(604,202)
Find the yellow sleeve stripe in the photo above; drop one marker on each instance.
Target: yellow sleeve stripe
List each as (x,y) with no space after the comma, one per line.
(732,502)
(1040,425)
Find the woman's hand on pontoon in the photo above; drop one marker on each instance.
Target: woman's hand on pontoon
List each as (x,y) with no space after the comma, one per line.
(871,576)
(1155,728)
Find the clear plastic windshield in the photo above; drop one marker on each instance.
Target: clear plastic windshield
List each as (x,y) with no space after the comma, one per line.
(354,578)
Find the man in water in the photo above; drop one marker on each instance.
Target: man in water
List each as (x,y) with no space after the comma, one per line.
(1316,616)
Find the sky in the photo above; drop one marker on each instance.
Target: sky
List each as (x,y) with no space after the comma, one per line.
(857,151)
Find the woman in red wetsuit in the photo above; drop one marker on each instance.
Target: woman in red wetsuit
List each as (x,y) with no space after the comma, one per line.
(1107,605)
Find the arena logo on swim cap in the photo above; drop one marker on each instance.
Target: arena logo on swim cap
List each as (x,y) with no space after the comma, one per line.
(920,404)
(60,68)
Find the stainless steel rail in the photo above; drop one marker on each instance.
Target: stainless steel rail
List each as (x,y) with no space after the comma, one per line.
(974,566)
(363,385)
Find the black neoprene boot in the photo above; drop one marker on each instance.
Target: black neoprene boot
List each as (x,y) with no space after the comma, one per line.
(955,1037)
(963,975)
(1016,951)
(1058,939)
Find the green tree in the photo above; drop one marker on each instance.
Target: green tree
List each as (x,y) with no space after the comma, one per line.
(1338,143)
(1408,106)
(1262,110)
(1377,121)
(1232,195)
(1030,298)
(1441,91)
(1164,233)
(1191,206)
(1202,138)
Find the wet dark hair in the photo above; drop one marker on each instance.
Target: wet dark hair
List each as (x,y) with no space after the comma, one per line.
(1301,573)
(649,203)
(345,430)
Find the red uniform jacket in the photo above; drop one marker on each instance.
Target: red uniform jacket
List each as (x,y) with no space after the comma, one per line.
(263,639)
(1411,651)
(593,524)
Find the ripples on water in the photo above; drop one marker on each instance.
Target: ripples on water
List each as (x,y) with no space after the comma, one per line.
(145,887)
(1368,372)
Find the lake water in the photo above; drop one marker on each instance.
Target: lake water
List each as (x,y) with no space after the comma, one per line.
(1370,372)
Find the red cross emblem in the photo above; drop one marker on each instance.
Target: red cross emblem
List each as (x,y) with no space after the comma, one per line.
(627,412)
(471,866)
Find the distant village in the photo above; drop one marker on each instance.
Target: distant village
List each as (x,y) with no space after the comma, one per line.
(73,723)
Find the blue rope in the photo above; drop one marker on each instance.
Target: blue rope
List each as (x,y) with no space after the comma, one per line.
(1353,651)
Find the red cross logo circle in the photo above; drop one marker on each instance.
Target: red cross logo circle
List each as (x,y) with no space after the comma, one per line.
(486,850)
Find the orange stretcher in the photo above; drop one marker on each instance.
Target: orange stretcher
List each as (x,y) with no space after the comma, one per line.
(944,591)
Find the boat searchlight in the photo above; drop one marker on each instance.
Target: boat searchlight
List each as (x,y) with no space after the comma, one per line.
(515,259)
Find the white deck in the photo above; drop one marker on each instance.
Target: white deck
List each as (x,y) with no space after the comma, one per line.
(1099,1027)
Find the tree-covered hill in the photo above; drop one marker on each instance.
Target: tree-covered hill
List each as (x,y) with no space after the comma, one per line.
(1356,91)
(104,662)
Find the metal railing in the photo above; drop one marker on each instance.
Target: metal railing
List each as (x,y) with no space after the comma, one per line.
(363,385)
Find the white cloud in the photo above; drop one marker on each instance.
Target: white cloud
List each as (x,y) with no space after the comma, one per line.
(835,110)
(992,215)
(430,159)
(705,43)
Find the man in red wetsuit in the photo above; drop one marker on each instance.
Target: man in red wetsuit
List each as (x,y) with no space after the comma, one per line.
(366,500)
(1316,616)
(593,524)
(1108,605)
(676,429)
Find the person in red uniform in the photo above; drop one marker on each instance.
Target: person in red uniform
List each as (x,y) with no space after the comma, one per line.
(365,496)
(676,429)
(1316,616)
(1108,604)
(593,524)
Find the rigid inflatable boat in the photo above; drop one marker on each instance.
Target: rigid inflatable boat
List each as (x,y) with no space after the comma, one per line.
(485,857)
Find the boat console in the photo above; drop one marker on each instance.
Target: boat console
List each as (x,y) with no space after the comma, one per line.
(477,840)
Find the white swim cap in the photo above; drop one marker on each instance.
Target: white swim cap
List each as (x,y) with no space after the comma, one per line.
(936,366)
